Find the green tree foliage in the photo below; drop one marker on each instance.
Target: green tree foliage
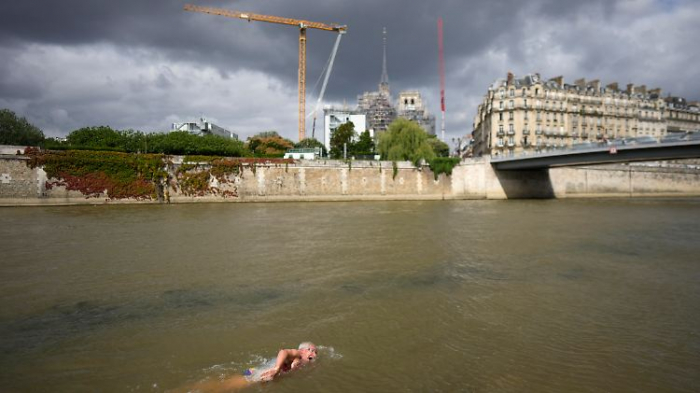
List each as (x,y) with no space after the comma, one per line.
(184,143)
(440,148)
(268,144)
(18,131)
(96,138)
(342,135)
(405,140)
(364,146)
(131,141)
(310,143)
(443,165)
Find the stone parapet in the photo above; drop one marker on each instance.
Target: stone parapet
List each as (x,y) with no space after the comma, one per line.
(330,180)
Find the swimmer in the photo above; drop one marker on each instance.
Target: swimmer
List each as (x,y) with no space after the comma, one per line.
(287,360)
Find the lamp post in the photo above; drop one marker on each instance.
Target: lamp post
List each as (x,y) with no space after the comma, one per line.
(458,142)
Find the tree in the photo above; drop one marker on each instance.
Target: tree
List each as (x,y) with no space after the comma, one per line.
(405,140)
(343,135)
(440,148)
(365,146)
(97,138)
(269,144)
(310,143)
(18,131)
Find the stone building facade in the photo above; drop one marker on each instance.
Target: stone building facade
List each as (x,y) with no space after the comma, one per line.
(531,114)
(411,107)
(682,116)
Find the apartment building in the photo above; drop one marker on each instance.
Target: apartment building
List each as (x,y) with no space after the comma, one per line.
(532,114)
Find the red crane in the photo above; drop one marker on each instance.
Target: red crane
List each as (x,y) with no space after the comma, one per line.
(442,77)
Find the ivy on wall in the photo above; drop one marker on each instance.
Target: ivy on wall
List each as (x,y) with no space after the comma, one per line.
(195,173)
(120,175)
(443,165)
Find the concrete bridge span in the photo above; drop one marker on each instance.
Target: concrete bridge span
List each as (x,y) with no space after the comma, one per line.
(613,154)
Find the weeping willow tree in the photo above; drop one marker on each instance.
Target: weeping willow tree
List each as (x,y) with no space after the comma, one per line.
(405,140)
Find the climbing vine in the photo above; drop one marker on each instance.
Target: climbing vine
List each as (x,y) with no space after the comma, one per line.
(120,175)
(195,173)
(443,165)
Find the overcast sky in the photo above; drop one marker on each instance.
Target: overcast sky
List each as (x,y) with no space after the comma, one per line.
(146,64)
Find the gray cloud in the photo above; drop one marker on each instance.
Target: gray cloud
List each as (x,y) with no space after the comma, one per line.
(143,65)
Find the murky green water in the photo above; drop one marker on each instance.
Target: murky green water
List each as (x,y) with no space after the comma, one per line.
(477,296)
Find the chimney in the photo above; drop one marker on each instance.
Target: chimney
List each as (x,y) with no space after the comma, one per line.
(580,82)
(510,78)
(613,86)
(559,80)
(630,88)
(595,84)
(657,92)
(642,89)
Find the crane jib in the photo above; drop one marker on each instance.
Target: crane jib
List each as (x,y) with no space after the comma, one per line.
(301,24)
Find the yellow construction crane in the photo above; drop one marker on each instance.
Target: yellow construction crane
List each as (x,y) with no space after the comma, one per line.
(301,24)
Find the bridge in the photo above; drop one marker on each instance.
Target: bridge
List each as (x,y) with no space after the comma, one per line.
(595,155)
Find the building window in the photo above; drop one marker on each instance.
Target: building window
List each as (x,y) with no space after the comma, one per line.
(501,93)
(511,93)
(510,115)
(511,104)
(500,105)
(523,92)
(500,116)
(510,128)
(525,115)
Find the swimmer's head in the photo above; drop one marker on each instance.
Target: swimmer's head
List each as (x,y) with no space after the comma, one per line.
(308,351)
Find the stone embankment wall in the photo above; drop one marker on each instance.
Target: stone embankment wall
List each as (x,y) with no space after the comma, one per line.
(341,181)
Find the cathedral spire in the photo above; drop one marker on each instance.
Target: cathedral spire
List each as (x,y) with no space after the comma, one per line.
(384,81)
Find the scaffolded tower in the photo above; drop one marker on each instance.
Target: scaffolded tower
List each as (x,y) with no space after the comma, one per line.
(412,107)
(377,104)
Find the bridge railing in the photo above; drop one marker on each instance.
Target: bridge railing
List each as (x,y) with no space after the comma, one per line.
(589,146)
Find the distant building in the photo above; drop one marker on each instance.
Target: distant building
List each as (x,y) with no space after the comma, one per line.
(334,118)
(376,105)
(531,114)
(378,110)
(411,107)
(682,116)
(203,127)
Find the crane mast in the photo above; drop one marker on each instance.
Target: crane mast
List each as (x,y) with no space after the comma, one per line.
(303,25)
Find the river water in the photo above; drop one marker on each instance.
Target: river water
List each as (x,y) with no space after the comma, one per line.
(475,296)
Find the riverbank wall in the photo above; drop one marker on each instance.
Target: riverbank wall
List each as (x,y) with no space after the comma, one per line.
(328,180)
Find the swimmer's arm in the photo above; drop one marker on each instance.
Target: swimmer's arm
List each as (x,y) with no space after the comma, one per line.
(282,357)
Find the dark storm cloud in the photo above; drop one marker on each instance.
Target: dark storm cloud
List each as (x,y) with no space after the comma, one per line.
(143,64)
